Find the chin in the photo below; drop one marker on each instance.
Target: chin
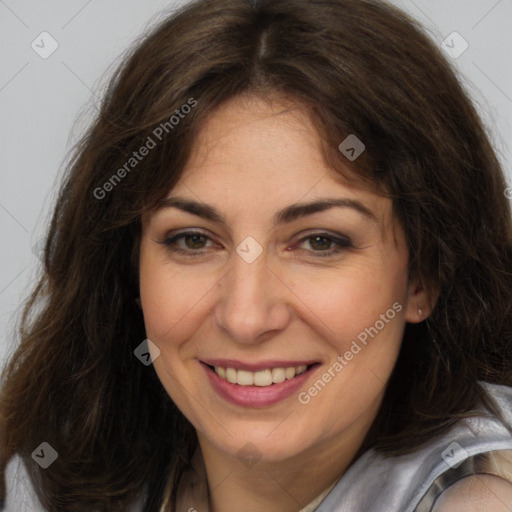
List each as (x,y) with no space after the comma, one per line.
(272,449)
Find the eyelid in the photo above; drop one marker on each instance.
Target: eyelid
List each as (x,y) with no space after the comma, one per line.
(309,233)
(341,242)
(173,236)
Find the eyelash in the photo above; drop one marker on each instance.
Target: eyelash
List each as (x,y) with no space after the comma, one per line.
(340,244)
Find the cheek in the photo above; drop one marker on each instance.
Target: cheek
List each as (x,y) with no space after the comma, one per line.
(172,298)
(343,303)
(161,307)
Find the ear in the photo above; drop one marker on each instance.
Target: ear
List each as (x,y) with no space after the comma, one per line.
(420,301)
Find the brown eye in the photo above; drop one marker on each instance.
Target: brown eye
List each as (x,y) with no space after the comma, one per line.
(195,241)
(325,245)
(321,243)
(188,243)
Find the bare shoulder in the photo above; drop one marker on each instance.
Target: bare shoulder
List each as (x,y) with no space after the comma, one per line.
(477,493)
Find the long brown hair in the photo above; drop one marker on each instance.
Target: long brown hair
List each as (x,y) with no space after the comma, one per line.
(357,67)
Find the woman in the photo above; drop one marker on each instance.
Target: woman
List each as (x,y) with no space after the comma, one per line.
(277,278)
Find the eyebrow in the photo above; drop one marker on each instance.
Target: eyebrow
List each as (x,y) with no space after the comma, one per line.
(284,216)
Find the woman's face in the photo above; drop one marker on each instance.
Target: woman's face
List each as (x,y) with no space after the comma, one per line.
(278,323)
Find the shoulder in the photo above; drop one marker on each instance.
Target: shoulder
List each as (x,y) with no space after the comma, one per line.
(20,494)
(478,493)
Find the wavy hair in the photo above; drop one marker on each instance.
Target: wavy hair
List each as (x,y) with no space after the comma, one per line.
(74,381)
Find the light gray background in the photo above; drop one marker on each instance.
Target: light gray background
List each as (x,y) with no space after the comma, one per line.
(41,99)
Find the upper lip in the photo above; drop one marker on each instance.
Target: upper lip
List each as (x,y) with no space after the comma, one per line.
(254,367)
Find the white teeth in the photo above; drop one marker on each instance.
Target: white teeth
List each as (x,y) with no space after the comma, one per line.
(231,375)
(289,373)
(245,378)
(261,378)
(278,375)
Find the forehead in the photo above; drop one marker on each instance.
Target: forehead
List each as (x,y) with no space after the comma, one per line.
(267,141)
(251,134)
(261,156)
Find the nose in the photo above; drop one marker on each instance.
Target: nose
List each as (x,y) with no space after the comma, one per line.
(253,303)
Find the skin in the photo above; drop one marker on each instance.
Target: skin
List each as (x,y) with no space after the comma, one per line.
(250,160)
(479,493)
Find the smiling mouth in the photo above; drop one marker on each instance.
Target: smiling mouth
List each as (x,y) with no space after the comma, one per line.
(262,378)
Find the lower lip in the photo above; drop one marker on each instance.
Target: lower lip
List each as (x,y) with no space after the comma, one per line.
(256,396)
